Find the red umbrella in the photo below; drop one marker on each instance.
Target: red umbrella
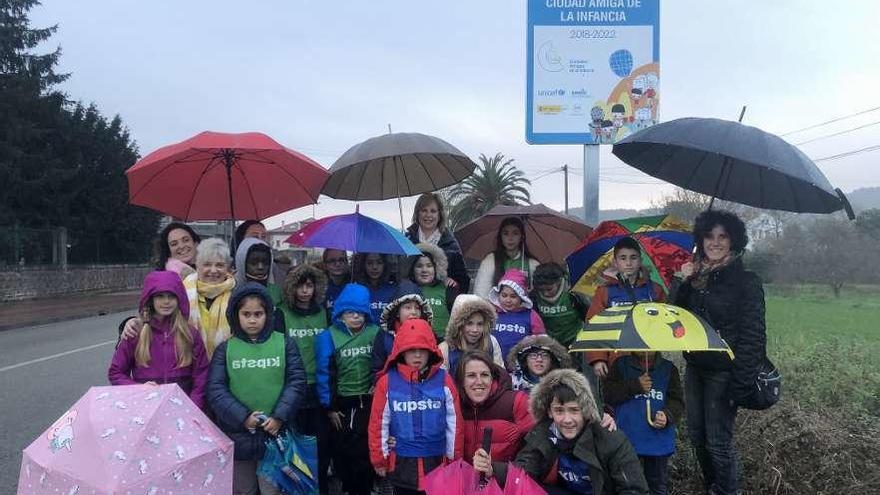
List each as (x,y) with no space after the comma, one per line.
(222,176)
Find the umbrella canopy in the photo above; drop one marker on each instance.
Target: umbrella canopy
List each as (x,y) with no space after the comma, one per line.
(396,165)
(219,176)
(354,232)
(648,327)
(458,477)
(732,161)
(666,245)
(550,235)
(129,439)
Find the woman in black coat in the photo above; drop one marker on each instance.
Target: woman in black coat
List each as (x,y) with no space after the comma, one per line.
(429,227)
(717,287)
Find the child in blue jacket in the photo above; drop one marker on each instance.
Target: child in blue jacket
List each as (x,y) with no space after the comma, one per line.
(645,391)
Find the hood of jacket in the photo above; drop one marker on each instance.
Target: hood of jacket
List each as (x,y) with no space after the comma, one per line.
(240,292)
(541,396)
(165,281)
(465,306)
(414,334)
(441,263)
(406,292)
(241,258)
(354,297)
(288,291)
(516,358)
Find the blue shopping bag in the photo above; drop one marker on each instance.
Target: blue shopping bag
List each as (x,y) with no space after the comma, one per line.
(291,463)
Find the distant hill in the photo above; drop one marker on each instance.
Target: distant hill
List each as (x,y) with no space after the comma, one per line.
(864,198)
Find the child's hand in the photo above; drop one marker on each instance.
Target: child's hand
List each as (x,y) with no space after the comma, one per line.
(483,463)
(608,422)
(336,419)
(392,442)
(660,420)
(132,328)
(252,422)
(381,471)
(271,426)
(451,283)
(600,368)
(151,383)
(646,383)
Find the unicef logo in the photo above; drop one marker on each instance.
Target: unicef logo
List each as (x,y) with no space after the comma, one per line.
(551,92)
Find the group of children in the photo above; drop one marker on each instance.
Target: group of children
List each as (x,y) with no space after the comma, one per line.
(372,378)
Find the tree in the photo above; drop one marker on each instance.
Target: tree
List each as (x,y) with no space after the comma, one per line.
(495,181)
(62,165)
(868,223)
(828,251)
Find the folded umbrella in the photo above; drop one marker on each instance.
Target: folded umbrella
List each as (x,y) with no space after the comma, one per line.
(458,477)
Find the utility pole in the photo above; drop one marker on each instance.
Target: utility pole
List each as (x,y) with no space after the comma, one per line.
(565,172)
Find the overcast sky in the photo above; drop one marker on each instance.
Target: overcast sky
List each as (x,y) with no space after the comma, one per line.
(321,76)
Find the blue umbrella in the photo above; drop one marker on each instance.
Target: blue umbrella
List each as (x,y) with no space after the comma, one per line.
(354,232)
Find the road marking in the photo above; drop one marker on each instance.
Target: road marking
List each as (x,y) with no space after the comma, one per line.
(53,356)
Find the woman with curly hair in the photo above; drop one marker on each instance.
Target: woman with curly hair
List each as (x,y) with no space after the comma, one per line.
(717,287)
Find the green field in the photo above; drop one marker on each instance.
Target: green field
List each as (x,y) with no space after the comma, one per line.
(827,348)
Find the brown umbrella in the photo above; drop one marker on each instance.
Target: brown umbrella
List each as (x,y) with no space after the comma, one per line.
(550,235)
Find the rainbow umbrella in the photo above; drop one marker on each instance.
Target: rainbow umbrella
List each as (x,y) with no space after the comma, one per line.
(666,245)
(353,232)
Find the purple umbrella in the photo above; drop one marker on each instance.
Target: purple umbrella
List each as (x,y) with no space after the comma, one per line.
(353,232)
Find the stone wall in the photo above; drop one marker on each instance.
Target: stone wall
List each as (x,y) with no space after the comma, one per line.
(39,282)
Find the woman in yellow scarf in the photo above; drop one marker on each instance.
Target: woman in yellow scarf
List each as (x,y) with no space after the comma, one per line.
(208,291)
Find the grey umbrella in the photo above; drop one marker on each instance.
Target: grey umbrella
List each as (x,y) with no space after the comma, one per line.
(396,165)
(732,161)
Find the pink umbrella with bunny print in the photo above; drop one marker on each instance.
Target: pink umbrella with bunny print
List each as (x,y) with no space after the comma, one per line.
(137,439)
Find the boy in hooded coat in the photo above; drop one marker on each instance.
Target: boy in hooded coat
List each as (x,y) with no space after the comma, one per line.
(237,392)
(304,320)
(344,381)
(436,292)
(562,310)
(416,404)
(576,453)
(259,255)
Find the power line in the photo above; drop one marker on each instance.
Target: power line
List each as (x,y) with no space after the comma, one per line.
(836,133)
(848,153)
(836,119)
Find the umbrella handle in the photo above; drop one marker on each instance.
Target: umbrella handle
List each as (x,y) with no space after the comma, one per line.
(648,411)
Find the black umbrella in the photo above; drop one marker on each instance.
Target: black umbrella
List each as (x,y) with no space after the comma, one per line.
(396,165)
(732,161)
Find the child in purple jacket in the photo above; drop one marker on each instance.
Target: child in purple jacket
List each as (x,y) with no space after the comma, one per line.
(167,350)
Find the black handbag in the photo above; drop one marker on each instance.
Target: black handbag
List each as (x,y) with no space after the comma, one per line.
(767,388)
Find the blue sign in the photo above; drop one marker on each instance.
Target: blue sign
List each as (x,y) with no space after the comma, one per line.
(593,70)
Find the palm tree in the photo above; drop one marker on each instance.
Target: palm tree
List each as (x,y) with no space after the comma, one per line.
(495,181)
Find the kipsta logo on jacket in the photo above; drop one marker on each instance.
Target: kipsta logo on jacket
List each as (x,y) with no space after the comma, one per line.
(262,363)
(415,405)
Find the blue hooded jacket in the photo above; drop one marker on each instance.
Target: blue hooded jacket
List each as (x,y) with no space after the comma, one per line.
(354,297)
(230,413)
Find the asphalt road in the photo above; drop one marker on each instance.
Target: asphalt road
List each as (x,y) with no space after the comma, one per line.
(43,371)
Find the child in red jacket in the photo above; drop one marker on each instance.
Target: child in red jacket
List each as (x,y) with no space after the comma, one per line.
(415,422)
